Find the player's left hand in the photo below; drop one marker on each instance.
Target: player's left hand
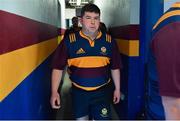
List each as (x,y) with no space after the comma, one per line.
(116,96)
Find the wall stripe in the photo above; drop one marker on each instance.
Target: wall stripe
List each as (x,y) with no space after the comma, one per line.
(60,37)
(18,64)
(128,47)
(128,32)
(127,38)
(19,32)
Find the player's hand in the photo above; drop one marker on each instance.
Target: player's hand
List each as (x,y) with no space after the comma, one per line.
(55,100)
(116,96)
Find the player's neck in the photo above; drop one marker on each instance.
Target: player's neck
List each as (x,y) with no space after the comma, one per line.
(91,35)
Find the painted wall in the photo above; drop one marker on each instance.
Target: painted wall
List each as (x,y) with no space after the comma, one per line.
(148,17)
(63,20)
(28,37)
(70,13)
(168,3)
(119,12)
(114,12)
(46,11)
(134,11)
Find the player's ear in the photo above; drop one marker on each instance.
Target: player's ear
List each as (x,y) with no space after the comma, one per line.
(81,20)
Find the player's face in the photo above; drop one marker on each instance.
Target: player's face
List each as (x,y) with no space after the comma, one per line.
(90,22)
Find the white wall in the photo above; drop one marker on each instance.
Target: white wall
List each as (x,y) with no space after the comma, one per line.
(63,20)
(114,12)
(119,12)
(69,13)
(47,11)
(134,11)
(168,3)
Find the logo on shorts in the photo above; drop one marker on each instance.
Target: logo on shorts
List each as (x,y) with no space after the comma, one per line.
(104,112)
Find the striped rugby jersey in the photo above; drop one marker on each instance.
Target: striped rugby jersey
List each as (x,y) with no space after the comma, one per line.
(165,48)
(89,61)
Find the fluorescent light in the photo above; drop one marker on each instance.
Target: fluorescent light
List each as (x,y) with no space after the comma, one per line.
(78,2)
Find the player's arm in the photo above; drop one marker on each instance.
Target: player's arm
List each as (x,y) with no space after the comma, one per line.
(115,71)
(116,79)
(59,62)
(55,82)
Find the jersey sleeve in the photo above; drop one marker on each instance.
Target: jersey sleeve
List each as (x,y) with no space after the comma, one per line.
(116,58)
(59,60)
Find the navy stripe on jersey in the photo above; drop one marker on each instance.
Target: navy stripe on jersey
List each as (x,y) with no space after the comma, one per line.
(172,9)
(165,22)
(89,82)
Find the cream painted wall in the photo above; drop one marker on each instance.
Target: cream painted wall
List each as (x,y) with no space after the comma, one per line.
(168,3)
(114,12)
(46,11)
(69,13)
(119,12)
(134,11)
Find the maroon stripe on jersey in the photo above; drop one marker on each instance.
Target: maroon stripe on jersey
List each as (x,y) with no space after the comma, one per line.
(18,32)
(165,45)
(129,32)
(90,72)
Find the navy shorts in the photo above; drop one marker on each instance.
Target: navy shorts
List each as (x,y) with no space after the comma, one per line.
(95,104)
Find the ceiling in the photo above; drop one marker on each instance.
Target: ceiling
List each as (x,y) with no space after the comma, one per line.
(77,3)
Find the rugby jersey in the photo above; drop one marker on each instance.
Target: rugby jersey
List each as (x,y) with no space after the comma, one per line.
(165,49)
(89,61)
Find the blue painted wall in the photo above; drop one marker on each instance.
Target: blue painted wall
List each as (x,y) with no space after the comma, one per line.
(151,10)
(30,99)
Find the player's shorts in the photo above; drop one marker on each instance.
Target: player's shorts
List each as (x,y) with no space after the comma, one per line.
(95,104)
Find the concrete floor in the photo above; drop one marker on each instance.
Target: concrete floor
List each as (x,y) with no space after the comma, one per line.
(65,112)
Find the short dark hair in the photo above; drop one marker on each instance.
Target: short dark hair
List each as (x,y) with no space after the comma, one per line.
(90,8)
(74,19)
